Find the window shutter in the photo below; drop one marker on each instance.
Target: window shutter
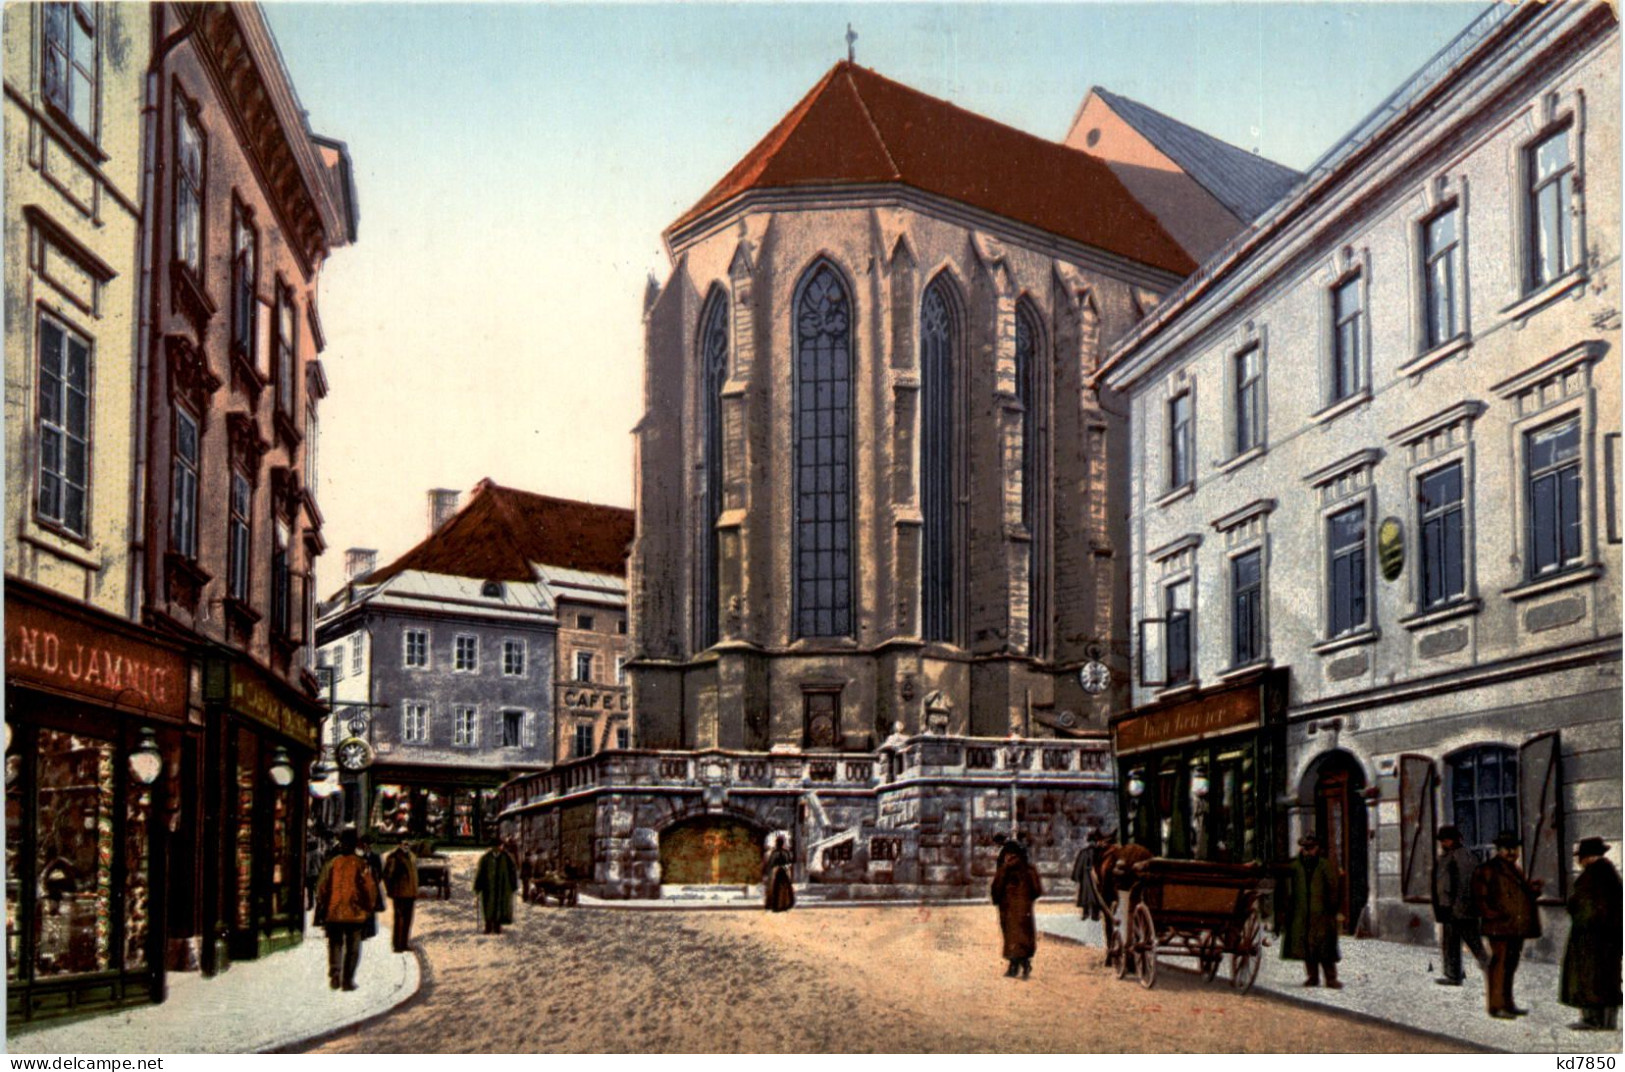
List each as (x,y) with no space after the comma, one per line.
(1417,823)
(527,729)
(1153,660)
(1540,812)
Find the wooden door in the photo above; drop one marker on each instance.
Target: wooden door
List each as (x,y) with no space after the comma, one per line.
(1333,803)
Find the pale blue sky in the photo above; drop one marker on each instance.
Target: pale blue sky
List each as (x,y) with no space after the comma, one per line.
(517,163)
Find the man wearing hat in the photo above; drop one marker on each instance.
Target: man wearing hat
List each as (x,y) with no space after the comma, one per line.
(1505,898)
(1311,923)
(1452,905)
(1591,959)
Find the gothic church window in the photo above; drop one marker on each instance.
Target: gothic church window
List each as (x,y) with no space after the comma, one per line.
(938,330)
(823,436)
(714,373)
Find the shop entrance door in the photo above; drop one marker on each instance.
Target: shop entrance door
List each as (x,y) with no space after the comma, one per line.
(1340,822)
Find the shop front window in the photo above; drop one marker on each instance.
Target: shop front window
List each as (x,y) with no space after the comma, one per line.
(74,855)
(436,814)
(281,851)
(465,816)
(137,885)
(247,766)
(14,841)
(392,811)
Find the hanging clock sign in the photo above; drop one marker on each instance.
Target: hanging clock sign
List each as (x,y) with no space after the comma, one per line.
(1390,548)
(1095,677)
(353,754)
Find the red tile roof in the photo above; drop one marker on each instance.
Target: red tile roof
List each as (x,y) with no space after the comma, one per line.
(856,126)
(501,531)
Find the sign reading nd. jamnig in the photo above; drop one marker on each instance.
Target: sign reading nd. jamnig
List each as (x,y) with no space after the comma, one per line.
(61,653)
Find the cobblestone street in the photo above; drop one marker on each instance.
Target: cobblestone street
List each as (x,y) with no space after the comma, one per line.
(899,979)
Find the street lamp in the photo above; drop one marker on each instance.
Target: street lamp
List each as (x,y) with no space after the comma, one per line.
(281,768)
(1136,789)
(146,760)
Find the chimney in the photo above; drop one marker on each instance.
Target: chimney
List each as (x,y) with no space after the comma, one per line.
(442,504)
(358,562)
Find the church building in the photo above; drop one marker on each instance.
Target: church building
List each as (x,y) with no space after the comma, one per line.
(871,477)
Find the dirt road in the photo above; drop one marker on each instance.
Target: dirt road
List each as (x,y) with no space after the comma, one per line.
(893,979)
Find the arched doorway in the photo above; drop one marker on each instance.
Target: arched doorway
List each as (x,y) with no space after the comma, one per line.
(711,850)
(1337,784)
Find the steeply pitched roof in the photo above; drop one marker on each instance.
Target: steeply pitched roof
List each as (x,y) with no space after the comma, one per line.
(856,126)
(502,532)
(1243,182)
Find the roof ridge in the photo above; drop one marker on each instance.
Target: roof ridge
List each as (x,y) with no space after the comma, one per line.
(1255,154)
(874,128)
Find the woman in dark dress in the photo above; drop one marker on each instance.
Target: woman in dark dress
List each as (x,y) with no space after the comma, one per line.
(778,889)
(1016,889)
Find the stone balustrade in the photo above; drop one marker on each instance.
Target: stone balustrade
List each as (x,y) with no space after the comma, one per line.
(970,759)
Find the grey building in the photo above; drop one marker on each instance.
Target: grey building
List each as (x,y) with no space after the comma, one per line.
(442,662)
(1375,472)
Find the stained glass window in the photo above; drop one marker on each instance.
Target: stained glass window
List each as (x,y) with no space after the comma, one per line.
(823,401)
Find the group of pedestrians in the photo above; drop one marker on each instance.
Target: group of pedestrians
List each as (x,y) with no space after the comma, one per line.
(351,885)
(1476,904)
(1495,903)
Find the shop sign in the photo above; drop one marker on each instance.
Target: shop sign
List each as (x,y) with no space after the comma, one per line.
(588,700)
(68,655)
(1192,720)
(253,698)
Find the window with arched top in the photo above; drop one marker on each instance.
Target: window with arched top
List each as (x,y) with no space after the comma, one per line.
(1484,794)
(1029,393)
(939,329)
(713,374)
(823,442)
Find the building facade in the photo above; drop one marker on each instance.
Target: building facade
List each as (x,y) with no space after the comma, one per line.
(155,783)
(247,206)
(446,672)
(1376,539)
(591,697)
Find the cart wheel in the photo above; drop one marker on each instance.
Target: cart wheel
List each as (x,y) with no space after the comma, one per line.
(1210,956)
(1249,953)
(1143,940)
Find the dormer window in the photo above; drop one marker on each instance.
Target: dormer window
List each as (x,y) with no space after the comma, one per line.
(491,590)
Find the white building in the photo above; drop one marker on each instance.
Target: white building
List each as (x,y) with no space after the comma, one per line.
(1375,507)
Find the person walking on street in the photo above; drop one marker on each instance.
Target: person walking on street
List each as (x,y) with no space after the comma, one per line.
(1016,888)
(1453,905)
(1506,908)
(1592,957)
(495,881)
(1083,873)
(1312,919)
(778,887)
(401,883)
(346,898)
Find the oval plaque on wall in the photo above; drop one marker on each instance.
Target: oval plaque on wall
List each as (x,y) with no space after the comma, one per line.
(1390,548)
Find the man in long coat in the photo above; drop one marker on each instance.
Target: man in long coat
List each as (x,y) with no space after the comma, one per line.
(495,881)
(1016,888)
(401,883)
(1453,905)
(1083,873)
(778,885)
(1507,914)
(1312,917)
(1591,959)
(346,898)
